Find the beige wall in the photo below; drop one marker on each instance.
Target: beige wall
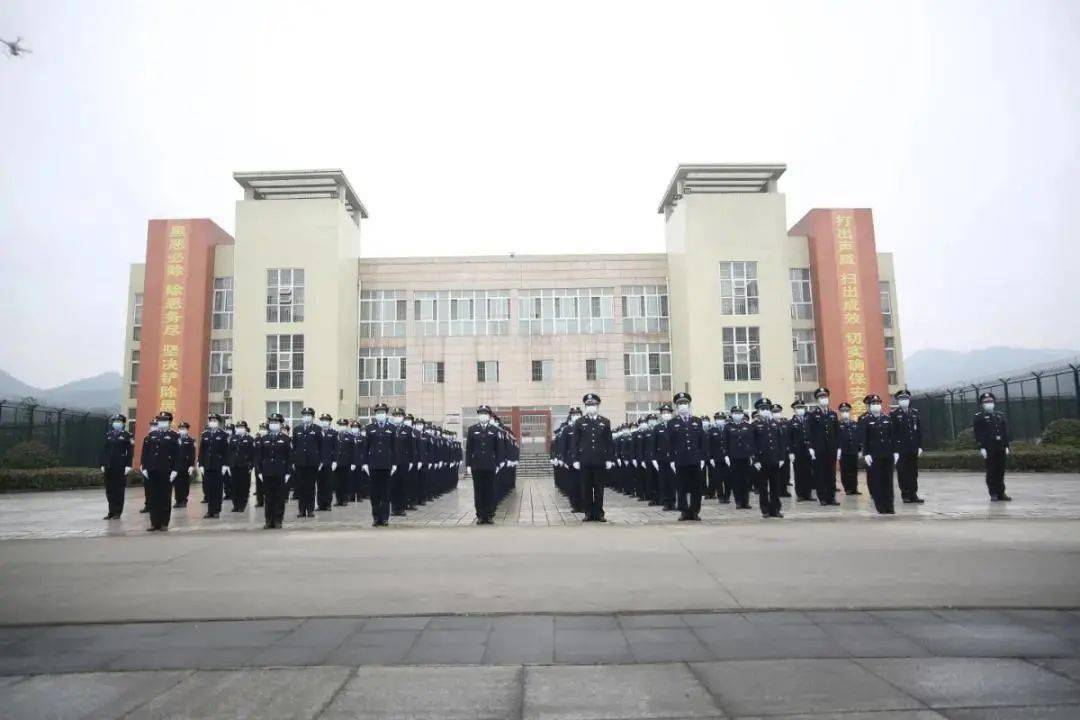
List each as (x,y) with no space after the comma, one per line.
(886,273)
(136,276)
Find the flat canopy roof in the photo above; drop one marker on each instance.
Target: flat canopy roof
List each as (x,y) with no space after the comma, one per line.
(720,178)
(301,185)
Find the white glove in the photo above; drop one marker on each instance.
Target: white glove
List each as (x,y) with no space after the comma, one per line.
(672,465)
(577,464)
(791,457)
(781,464)
(920,452)
(757,466)
(701,464)
(553,462)
(225,469)
(410,467)
(727,461)
(607,465)
(896,457)
(634,462)
(260,476)
(172,476)
(468,470)
(712,463)
(365,468)
(868,460)
(146,475)
(102,468)
(501,465)
(393,469)
(352,467)
(333,466)
(191,470)
(202,469)
(319,468)
(287,476)
(1006,451)
(127,470)
(837,454)
(656,465)
(813,455)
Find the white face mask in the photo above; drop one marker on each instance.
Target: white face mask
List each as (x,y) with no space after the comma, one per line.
(845,415)
(163,425)
(706,422)
(592,409)
(354,430)
(484,419)
(875,408)
(408,423)
(396,419)
(800,412)
(241,431)
(118,426)
(904,403)
(823,401)
(666,417)
(275,427)
(306,419)
(420,427)
(767,414)
(183,432)
(574,419)
(737,417)
(213,424)
(380,417)
(653,422)
(683,409)
(324,424)
(260,432)
(721,423)
(988,407)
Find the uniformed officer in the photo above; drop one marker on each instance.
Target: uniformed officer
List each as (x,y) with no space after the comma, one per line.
(770,458)
(185,465)
(379,443)
(651,460)
(992,436)
(483,448)
(412,472)
(666,478)
(241,461)
(800,453)
(879,454)
(324,494)
(307,459)
(146,486)
(847,450)
(213,463)
(359,479)
(274,469)
(115,461)
(592,454)
(403,458)
(158,461)
(686,450)
(740,445)
(907,429)
(778,416)
(342,467)
(719,472)
(260,497)
(226,470)
(571,477)
(824,427)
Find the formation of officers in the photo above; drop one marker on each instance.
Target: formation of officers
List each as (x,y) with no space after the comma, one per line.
(396,460)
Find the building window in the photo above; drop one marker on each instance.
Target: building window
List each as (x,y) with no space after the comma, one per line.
(745,400)
(806,397)
(223,408)
(487,371)
(596,369)
(647,366)
(381,372)
(382,313)
(645,309)
(890,359)
(434,372)
(479,312)
(637,410)
(223,303)
(284,295)
(886,303)
(133,389)
(131,420)
(738,288)
(804,346)
(221,365)
(802,301)
(284,362)
(136,318)
(566,311)
(543,370)
(289,409)
(742,353)
(431,312)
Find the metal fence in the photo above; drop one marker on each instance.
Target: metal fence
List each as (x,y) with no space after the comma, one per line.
(1031,400)
(74,435)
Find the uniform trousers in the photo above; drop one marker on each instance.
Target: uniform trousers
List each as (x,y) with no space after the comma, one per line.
(397,491)
(770,481)
(879,480)
(343,483)
(240,475)
(213,485)
(652,483)
(995,472)
(380,495)
(182,487)
(592,490)
(907,474)
(667,486)
(115,485)
(160,489)
(275,494)
(825,475)
(849,472)
(741,470)
(422,485)
(324,493)
(304,481)
(260,493)
(483,482)
(718,480)
(804,480)
(689,481)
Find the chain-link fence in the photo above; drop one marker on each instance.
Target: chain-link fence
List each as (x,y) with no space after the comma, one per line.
(75,436)
(1031,400)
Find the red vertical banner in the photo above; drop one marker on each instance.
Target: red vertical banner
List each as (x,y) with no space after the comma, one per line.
(852,326)
(172,318)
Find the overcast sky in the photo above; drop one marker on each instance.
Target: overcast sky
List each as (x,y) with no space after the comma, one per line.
(490,128)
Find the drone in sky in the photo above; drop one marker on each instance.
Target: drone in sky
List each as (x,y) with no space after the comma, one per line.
(15,49)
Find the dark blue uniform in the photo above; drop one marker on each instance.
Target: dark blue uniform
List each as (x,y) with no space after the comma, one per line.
(274,466)
(992,435)
(115,458)
(185,462)
(686,447)
(591,446)
(907,430)
(307,457)
(824,427)
(213,456)
(380,450)
(719,472)
(878,444)
(799,444)
(325,492)
(483,452)
(158,458)
(241,461)
(771,450)
(849,448)
(741,447)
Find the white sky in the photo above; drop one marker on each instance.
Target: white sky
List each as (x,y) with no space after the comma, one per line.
(489,128)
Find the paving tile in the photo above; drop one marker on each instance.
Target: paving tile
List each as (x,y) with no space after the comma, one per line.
(586,622)
(798,686)
(289,656)
(322,632)
(974,682)
(875,640)
(720,621)
(460,622)
(507,647)
(446,654)
(83,695)
(382,637)
(396,623)
(174,658)
(267,694)
(651,620)
(778,618)
(438,693)
(657,652)
(1069,667)
(873,715)
(56,662)
(452,637)
(591,646)
(628,691)
(369,654)
(526,623)
(1041,712)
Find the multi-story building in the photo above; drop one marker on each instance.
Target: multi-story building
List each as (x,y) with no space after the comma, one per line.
(290,314)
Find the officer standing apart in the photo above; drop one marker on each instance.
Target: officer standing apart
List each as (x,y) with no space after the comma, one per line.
(213,456)
(158,459)
(992,436)
(378,448)
(185,465)
(241,461)
(908,433)
(592,450)
(115,461)
(686,451)
(824,427)
(274,453)
(770,458)
(307,461)
(483,448)
(847,451)
(740,446)
(879,454)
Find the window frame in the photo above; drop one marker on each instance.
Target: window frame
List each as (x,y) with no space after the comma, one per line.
(277,285)
(736,275)
(285,363)
(741,356)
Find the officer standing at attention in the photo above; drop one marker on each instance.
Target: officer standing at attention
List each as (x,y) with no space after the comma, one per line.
(847,451)
(275,461)
(115,461)
(213,456)
(307,442)
(879,454)
(403,458)
(686,451)
(226,469)
(992,436)
(483,448)
(770,459)
(718,469)
(185,465)
(778,416)
(359,479)
(666,478)
(740,445)
(158,459)
(264,430)
(379,450)
(343,466)
(241,461)
(824,427)
(327,463)
(593,453)
(907,429)
(800,453)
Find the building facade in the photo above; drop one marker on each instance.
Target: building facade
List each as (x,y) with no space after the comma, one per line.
(290,314)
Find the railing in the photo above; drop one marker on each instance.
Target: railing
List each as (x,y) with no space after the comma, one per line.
(74,435)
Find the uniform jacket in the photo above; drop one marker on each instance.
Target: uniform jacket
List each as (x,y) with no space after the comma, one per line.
(824,426)
(798,436)
(159,449)
(685,441)
(328,449)
(185,453)
(991,430)
(660,443)
(242,451)
(876,436)
(770,442)
(739,440)
(716,441)
(117,450)
(380,446)
(213,448)
(307,442)
(344,449)
(483,447)
(590,441)
(907,429)
(848,438)
(275,455)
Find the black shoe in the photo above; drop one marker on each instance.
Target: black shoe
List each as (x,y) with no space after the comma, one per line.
(765,516)
(399,513)
(151,529)
(888,512)
(855,492)
(259,504)
(216,515)
(268,526)
(1004,497)
(340,504)
(802,499)
(110,516)
(778,514)
(725,501)
(785,494)
(684,517)
(204,501)
(207,516)
(144,510)
(830,503)
(917,500)
(601,519)
(745,506)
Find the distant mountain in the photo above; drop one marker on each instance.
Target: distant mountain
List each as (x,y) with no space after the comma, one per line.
(99,393)
(933,368)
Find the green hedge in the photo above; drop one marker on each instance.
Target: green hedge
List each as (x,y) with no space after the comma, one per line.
(57,478)
(30,455)
(1022,458)
(1062,432)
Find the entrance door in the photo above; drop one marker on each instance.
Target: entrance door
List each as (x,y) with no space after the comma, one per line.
(535,431)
